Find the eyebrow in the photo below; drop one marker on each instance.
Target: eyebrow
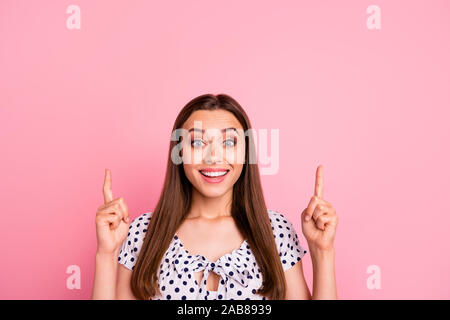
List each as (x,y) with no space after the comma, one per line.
(203,130)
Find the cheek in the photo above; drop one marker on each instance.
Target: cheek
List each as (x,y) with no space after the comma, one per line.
(237,170)
(235,155)
(189,171)
(190,155)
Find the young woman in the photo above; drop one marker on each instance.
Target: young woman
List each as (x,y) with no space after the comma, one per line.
(211,235)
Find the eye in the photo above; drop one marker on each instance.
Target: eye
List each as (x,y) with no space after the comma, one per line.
(233,142)
(193,143)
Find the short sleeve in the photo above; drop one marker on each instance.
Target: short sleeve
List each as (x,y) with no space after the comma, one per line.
(131,246)
(286,238)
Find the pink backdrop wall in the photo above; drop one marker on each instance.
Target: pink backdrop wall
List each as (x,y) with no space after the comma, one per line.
(371,105)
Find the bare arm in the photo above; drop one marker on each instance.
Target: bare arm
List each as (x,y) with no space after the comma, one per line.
(324,283)
(123,291)
(112,226)
(324,286)
(296,287)
(105,276)
(319,224)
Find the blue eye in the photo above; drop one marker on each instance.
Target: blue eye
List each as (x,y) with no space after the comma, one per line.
(192,143)
(232,141)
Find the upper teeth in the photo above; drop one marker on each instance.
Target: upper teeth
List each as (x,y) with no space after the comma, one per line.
(214,174)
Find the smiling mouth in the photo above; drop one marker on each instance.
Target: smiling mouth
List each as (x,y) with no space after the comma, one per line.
(214,174)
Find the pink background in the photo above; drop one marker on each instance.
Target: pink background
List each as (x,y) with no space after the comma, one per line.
(372,106)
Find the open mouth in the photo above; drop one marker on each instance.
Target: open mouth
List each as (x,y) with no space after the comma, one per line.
(214,174)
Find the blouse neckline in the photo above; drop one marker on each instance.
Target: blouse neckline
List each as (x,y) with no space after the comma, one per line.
(232,253)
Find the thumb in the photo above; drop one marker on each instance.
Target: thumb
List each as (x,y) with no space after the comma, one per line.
(303,216)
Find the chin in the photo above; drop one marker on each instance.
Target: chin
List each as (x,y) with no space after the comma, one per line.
(211,192)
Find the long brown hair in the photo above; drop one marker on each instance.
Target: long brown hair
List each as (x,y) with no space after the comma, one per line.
(248,210)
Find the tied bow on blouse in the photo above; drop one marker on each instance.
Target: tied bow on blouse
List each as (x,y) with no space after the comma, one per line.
(229,266)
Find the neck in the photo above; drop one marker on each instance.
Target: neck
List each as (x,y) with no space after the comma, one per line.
(210,208)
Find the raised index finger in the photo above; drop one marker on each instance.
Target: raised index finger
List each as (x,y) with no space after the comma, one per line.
(318,190)
(107,189)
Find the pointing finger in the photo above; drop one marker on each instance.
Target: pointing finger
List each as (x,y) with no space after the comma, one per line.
(107,188)
(318,190)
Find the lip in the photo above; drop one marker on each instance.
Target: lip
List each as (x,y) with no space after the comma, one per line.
(214,169)
(214,179)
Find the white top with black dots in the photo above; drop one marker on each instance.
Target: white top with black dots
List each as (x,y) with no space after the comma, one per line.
(238,270)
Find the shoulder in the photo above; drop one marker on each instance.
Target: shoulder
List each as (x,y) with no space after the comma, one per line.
(141,220)
(282,226)
(138,227)
(131,246)
(286,239)
(279,222)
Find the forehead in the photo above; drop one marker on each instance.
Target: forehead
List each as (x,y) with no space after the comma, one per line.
(212,119)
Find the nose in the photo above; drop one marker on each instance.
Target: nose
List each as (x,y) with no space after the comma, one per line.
(213,153)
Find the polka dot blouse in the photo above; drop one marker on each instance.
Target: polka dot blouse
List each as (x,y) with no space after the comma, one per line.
(240,276)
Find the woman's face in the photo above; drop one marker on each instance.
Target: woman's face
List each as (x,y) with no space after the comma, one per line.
(213,159)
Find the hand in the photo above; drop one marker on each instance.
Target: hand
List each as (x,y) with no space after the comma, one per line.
(112,220)
(319,219)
